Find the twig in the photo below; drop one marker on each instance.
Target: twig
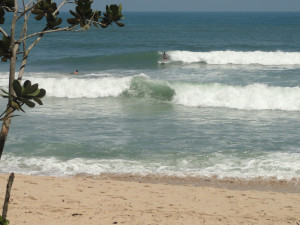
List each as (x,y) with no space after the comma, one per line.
(3,32)
(48,31)
(26,10)
(61,5)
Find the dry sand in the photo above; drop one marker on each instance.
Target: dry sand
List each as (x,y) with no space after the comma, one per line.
(40,200)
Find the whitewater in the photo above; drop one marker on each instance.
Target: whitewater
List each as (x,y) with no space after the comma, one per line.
(238,57)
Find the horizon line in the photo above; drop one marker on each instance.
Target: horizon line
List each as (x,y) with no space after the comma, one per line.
(214,11)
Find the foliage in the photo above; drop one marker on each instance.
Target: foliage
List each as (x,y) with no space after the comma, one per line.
(3,221)
(5,48)
(83,16)
(49,10)
(24,95)
(5,5)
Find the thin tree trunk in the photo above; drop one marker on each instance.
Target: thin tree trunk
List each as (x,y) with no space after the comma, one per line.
(9,113)
(13,48)
(7,195)
(4,133)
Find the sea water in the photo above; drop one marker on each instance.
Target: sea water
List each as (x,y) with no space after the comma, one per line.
(225,104)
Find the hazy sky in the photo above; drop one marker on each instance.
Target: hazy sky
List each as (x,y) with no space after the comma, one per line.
(203,5)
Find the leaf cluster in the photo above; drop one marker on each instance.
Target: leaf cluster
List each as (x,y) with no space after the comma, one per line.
(5,52)
(25,94)
(113,14)
(84,15)
(5,5)
(46,8)
(3,221)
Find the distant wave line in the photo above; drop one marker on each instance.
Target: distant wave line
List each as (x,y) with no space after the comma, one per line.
(237,57)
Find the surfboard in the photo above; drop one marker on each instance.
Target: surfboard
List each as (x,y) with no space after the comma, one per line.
(163,62)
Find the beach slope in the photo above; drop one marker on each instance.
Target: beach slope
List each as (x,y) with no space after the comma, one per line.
(80,200)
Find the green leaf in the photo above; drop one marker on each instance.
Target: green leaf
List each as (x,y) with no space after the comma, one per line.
(34,94)
(17,87)
(2,12)
(88,11)
(110,17)
(37,100)
(72,21)
(3,221)
(27,83)
(41,94)
(4,59)
(15,105)
(114,9)
(37,11)
(5,91)
(2,20)
(103,25)
(74,14)
(30,89)
(58,21)
(120,24)
(39,16)
(79,10)
(118,17)
(120,8)
(108,11)
(82,23)
(9,3)
(29,103)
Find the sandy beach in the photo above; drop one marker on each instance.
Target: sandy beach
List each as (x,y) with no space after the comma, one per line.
(110,200)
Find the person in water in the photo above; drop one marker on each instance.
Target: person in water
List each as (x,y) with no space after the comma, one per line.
(75,72)
(165,57)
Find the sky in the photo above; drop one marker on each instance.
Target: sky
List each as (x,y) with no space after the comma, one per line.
(203,5)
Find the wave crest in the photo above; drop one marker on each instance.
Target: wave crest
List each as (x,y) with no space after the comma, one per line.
(236,57)
(250,97)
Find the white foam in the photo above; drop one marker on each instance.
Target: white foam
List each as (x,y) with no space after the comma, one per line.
(236,57)
(250,97)
(279,165)
(80,88)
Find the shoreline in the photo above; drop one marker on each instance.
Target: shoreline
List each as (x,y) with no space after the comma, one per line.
(255,184)
(107,200)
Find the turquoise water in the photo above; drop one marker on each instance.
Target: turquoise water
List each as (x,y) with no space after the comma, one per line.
(225,104)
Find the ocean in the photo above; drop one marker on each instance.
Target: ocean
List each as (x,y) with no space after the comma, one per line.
(226,103)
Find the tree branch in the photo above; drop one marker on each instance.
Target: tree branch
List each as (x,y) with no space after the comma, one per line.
(61,5)
(25,52)
(3,32)
(24,29)
(26,9)
(48,31)
(8,9)
(13,48)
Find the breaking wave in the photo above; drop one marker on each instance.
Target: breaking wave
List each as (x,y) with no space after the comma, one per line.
(236,57)
(254,96)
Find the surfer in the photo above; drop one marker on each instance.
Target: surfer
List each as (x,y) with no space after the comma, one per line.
(165,57)
(75,72)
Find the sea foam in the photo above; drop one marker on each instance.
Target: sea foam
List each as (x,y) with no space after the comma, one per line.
(237,57)
(84,88)
(249,97)
(278,164)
